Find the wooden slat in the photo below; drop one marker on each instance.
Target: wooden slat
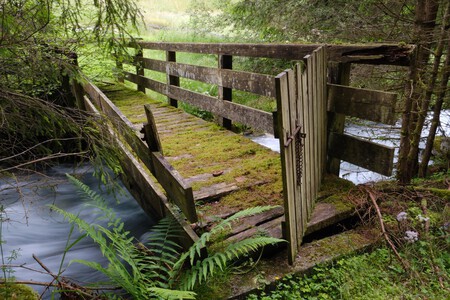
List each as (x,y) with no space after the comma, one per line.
(286,164)
(302,118)
(140,70)
(169,179)
(375,157)
(297,201)
(259,84)
(151,132)
(239,113)
(366,104)
(154,85)
(171,56)
(174,185)
(339,73)
(225,62)
(367,54)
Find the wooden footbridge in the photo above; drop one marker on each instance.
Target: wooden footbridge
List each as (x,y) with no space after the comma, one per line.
(198,171)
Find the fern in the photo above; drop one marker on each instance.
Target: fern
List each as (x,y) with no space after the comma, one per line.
(157,269)
(206,267)
(142,276)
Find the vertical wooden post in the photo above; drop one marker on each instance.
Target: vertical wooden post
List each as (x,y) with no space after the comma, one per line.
(172,80)
(225,94)
(140,69)
(119,67)
(339,73)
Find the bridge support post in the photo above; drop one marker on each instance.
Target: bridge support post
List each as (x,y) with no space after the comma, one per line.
(224,93)
(140,69)
(339,73)
(172,80)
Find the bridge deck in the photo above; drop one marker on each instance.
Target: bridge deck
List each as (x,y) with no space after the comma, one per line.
(227,171)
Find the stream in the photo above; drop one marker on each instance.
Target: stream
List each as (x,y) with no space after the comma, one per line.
(30,227)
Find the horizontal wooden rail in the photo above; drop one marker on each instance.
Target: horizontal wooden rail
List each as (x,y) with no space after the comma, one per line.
(167,176)
(259,84)
(380,54)
(239,113)
(363,153)
(365,104)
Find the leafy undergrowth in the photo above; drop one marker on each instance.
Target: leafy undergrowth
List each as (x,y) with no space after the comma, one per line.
(413,263)
(376,275)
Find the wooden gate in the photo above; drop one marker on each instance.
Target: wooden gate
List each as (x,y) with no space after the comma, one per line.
(301,101)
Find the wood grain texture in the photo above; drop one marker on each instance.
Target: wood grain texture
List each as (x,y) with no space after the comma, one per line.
(363,153)
(365,104)
(368,54)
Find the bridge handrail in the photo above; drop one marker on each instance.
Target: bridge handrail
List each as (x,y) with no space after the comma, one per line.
(379,54)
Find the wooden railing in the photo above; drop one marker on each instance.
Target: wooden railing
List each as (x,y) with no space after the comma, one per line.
(228,80)
(310,114)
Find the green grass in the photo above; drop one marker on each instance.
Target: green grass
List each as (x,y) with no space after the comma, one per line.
(376,275)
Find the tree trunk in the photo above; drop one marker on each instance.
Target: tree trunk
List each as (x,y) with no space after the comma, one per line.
(440,95)
(424,25)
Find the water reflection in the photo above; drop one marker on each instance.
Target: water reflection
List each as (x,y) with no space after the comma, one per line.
(33,228)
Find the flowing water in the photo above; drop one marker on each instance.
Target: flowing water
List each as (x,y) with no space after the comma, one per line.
(378,133)
(31,227)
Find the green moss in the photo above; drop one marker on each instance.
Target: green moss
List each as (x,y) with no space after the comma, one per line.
(441,193)
(198,148)
(12,291)
(340,202)
(332,184)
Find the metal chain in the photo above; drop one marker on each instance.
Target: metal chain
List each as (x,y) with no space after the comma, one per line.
(299,155)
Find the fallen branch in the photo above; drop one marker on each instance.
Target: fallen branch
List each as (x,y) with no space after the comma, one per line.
(43,283)
(62,284)
(373,197)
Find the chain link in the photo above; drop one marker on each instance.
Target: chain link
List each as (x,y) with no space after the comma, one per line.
(299,155)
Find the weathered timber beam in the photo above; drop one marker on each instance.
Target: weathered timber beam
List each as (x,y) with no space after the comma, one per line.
(239,80)
(154,85)
(384,54)
(252,117)
(375,157)
(169,178)
(145,190)
(366,104)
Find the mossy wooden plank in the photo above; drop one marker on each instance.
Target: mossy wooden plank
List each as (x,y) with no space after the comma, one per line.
(375,157)
(169,179)
(145,190)
(365,104)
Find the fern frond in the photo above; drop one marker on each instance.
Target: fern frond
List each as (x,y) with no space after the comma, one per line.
(240,214)
(208,266)
(172,294)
